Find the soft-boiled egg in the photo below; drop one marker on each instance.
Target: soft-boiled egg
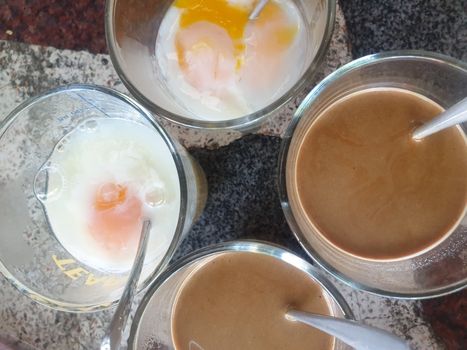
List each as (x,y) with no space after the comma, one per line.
(206,57)
(219,64)
(105,177)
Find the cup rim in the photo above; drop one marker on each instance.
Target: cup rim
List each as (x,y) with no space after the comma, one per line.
(176,239)
(246,122)
(368,60)
(250,246)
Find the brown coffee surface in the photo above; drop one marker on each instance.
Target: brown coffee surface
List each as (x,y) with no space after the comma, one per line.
(368,187)
(239,301)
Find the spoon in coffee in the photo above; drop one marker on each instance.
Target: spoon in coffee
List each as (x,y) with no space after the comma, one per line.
(258,8)
(113,337)
(357,335)
(455,115)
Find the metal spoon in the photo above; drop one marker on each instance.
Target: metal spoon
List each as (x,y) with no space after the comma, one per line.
(258,8)
(358,336)
(113,337)
(455,115)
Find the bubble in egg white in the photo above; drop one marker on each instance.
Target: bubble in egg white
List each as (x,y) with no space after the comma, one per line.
(42,187)
(89,125)
(154,196)
(61,145)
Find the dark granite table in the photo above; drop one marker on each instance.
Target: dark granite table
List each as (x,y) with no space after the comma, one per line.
(382,25)
(242,200)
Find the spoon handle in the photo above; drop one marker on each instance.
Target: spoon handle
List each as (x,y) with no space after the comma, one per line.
(258,8)
(452,116)
(113,337)
(359,336)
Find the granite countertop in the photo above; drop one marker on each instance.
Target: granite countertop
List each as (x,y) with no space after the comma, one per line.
(47,43)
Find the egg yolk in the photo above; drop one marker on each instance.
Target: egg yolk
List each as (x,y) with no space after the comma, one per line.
(210,43)
(233,18)
(206,57)
(266,64)
(277,30)
(230,18)
(116,217)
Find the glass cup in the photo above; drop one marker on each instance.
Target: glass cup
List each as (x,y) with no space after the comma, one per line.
(438,271)
(31,256)
(151,327)
(132,28)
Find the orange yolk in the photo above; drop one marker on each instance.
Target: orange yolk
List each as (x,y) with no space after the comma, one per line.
(268,39)
(116,217)
(280,33)
(232,18)
(206,56)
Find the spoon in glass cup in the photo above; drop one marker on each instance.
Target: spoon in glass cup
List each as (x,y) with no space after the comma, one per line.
(113,337)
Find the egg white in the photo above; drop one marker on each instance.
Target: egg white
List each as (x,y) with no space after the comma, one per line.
(119,151)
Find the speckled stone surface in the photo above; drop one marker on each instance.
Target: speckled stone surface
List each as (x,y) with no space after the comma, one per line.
(242,200)
(433,25)
(76,25)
